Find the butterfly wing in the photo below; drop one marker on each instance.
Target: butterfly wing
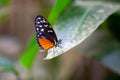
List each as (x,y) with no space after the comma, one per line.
(46,36)
(45,43)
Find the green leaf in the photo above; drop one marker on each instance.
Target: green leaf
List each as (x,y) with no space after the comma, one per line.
(4,10)
(4,13)
(4,2)
(57,9)
(79,21)
(29,55)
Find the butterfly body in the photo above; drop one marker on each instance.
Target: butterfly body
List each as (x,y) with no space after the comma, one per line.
(45,35)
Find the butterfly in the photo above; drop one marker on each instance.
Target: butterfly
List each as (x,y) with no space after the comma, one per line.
(45,35)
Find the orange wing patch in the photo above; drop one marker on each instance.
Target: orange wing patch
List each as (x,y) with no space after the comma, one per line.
(46,44)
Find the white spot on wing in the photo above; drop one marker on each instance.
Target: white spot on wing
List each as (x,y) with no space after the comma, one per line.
(41,21)
(40,25)
(50,31)
(42,30)
(37,29)
(39,18)
(46,25)
(44,20)
(38,22)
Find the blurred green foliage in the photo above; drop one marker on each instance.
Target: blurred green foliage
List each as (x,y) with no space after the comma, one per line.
(7,66)
(57,10)
(4,3)
(4,10)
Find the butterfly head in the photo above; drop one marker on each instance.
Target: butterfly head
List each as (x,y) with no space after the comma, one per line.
(58,43)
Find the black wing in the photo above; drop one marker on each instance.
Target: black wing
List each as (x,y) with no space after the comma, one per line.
(44,29)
